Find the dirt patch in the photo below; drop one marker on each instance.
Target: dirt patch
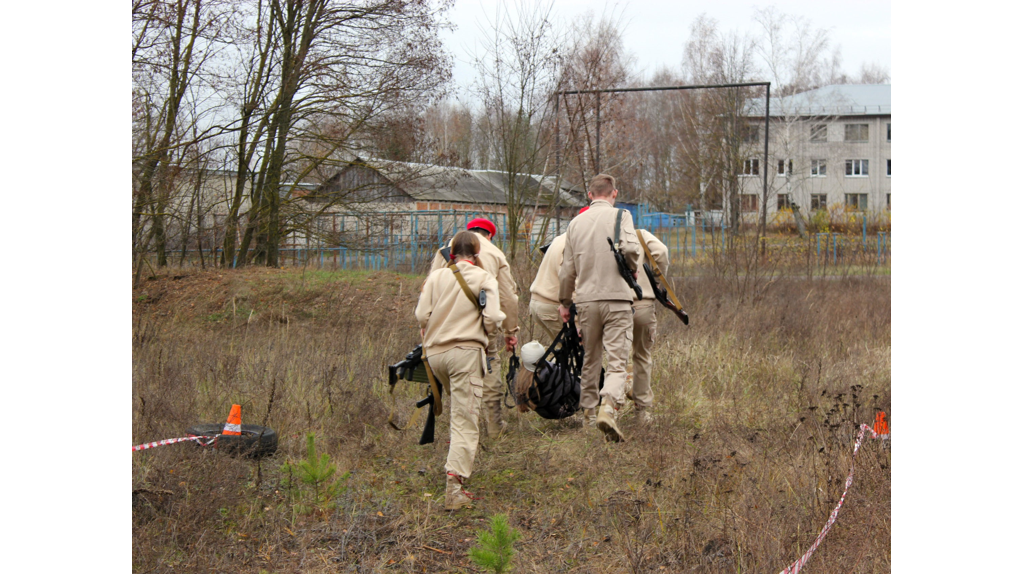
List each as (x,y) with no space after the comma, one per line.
(258,295)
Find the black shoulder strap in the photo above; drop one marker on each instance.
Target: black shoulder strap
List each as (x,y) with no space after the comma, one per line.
(446,252)
(618,226)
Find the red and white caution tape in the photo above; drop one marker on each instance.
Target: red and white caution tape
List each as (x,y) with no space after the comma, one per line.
(796,566)
(199,439)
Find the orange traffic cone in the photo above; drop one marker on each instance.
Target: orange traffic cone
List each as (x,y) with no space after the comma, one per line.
(881,427)
(234,424)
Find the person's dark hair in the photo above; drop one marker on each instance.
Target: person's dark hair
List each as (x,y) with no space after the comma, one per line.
(465,244)
(602,185)
(481,231)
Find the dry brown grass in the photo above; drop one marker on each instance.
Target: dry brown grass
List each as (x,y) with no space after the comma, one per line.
(757,407)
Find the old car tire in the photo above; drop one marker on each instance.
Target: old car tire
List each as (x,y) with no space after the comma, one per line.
(255,441)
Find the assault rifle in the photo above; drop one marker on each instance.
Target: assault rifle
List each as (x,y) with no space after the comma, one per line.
(625,271)
(414,368)
(661,294)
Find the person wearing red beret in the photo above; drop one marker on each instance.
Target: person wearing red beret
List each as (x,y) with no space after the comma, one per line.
(493,260)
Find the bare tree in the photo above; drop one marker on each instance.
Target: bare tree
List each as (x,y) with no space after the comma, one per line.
(796,56)
(256,44)
(715,117)
(172,42)
(517,75)
(448,135)
(597,123)
(332,69)
(873,74)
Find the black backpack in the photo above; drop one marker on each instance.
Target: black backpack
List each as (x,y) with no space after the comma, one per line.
(555,389)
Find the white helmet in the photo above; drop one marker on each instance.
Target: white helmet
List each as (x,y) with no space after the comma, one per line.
(531,353)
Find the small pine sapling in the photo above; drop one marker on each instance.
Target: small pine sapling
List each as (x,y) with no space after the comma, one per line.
(316,473)
(494,550)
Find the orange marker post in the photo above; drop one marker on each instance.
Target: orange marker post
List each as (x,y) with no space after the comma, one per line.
(234,424)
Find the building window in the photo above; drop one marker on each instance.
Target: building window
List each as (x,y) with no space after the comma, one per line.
(857,201)
(819,201)
(748,202)
(888,132)
(817,168)
(888,168)
(785,202)
(783,164)
(856,133)
(751,133)
(819,133)
(856,168)
(751,167)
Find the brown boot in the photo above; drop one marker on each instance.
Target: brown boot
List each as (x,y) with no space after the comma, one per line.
(644,415)
(495,424)
(454,496)
(606,424)
(589,418)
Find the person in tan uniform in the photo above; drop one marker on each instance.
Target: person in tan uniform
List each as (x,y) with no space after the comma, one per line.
(645,328)
(544,291)
(454,346)
(603,300)
(492,260)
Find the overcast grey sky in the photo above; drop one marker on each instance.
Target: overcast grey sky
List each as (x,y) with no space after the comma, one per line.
(656,30)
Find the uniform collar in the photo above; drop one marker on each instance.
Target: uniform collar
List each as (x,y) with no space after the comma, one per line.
(601,202)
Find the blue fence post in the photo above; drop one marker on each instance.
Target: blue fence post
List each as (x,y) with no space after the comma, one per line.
(692,228)
(676,229)
(704,233)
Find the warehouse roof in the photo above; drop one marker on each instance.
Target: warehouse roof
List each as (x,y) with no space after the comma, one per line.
(834,100)
(425,182)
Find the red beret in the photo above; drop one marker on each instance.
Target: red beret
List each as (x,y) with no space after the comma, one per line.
(485,224)
(582,209)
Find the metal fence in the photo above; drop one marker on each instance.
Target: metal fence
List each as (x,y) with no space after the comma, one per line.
(406,241)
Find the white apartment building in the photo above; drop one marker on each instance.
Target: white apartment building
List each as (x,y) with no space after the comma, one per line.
(828,148)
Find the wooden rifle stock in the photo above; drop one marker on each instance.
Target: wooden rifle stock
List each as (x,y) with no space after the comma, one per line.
(661,295)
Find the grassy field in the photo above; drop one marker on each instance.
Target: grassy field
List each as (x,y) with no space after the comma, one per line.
(757,406)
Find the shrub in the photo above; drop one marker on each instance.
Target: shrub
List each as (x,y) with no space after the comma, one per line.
(494,549)
(316,474)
